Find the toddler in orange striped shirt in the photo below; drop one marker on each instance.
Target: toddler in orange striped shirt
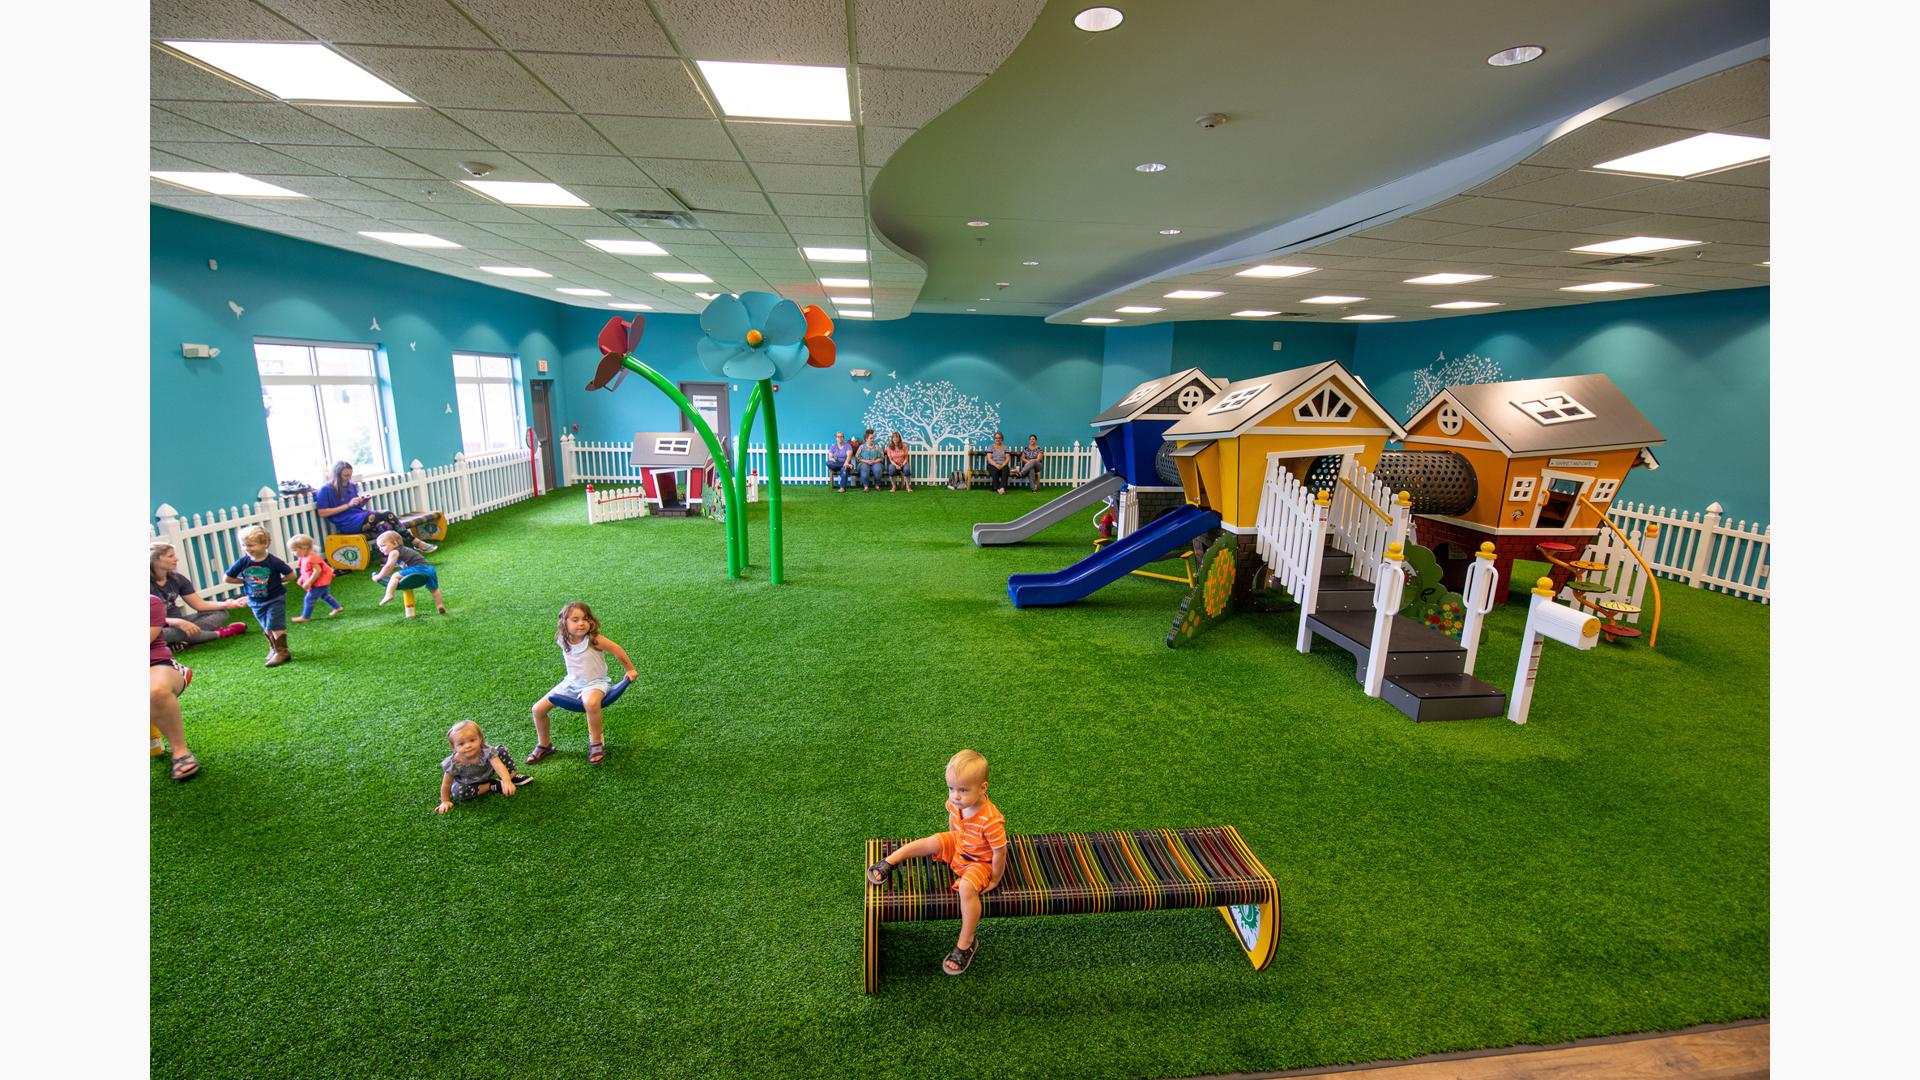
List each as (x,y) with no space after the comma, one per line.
(974,845)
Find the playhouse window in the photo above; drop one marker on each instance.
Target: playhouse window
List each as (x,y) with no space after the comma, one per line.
(1329,406)
(1238,399)
(1522,489)
(1554,409)
(1191,396)
(1141,394)
(1451,419)
(673,444)
(1603,491)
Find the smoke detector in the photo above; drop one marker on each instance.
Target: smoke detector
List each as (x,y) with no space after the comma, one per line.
(1211,120)
(476,169)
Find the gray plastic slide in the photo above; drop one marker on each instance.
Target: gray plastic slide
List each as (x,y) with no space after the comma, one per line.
(991,533)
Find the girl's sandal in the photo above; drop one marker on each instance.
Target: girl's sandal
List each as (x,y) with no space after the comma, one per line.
(185,767)
(884,869)
(959,960)
(540,753)
(596,753)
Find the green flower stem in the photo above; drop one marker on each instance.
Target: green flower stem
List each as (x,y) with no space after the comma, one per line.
(740,469)
(735,501)
(776,564)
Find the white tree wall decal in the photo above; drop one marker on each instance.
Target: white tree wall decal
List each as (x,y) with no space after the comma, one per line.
(926,414)
(1469,370)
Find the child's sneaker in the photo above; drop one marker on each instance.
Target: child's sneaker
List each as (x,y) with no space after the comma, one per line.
(231,629)
(521,780)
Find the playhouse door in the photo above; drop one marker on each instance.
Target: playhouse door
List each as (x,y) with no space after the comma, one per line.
(1558,502)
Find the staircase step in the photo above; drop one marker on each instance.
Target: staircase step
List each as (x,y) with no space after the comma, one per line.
(1344,592)
(1335,561)
(1344,582)
(1443,697)
(1412,649)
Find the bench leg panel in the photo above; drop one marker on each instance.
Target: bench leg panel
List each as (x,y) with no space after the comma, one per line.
(1257,928)
(870,939)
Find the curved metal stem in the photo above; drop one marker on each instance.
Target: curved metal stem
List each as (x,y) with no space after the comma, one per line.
(776,563)
(735,502)
(740,471)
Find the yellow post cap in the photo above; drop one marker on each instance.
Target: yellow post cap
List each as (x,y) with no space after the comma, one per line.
(1590,628)
(1323,497)
(1405,498)
(1394,551)
(1653,530)
(1486,549)
(1543,587)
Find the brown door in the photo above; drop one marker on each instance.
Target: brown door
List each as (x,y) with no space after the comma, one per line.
(543,429)
(1559,505)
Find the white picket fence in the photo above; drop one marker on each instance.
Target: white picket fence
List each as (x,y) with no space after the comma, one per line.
(1623,577)
(208,543)
(1292,530)
(615,504)
(1702,549)
(1364,518)
(806,463)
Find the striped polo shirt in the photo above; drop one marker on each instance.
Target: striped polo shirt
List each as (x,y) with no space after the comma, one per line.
(979,834)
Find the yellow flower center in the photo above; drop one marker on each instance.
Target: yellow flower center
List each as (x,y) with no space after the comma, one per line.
(754,337)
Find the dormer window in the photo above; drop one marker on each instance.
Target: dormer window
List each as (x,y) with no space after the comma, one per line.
(1554,409)
(1451,419)
(673,444)
(1141,394)
(1191,396)
(1238,399)
(1327,406)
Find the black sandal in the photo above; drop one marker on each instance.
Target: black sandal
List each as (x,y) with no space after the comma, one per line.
(960,959)
(541,752)
(886,872)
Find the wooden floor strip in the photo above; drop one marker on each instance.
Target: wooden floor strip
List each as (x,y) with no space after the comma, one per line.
(1711,1052)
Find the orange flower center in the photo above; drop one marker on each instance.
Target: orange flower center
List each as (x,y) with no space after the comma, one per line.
(754,337)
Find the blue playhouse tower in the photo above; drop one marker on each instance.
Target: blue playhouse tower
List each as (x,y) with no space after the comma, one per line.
(1130,434)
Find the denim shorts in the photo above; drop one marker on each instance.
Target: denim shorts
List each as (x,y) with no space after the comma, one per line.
(272,614)
(417,577)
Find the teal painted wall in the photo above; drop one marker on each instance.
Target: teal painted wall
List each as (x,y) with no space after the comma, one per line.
(1134,354)
(209,429)
(1242,348)
(1696,365)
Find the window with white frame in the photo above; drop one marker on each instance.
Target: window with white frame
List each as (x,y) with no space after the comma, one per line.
(489,397)
(1238,399)
(1555,409)
(1522,489)
(1603,491)
(323,405)
(1451,419)
(680,445)
(1328,406)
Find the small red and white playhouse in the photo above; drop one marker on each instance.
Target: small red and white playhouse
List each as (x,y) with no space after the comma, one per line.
(670,461)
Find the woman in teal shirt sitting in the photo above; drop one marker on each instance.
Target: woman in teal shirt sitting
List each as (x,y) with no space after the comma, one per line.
(872,455)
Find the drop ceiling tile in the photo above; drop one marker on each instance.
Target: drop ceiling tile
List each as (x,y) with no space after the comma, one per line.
(845,227)
(239,157)
(620,85)
(708,198)
(1671,197)
(1605,140)
(383,22)
(445,164)
(1678,226)
(457,78)
(759,31)
(523,230)
(809,179)
(1356,246)
(219,20)
(797,144)
(637,197)
(1760,128)
(583,169)
(620,27)
(1414,230)
(264,122)
(975,37)
(170,78)
(757,244)
(160,160)
(1481,211)
(662,137)
(316,210)
(548,133)
(680,172)
(1759,175)
(1736,254)
(419,128)
(1515,177)
(331,188)
(732,223)
(578,217)
(872,174)
(163,126)
(389,209)
(360,162)
(1728,97)
(480,211)
(878,143)
(1737,232)
(1563,219)
(1574,188)
(824,206)
(894,97)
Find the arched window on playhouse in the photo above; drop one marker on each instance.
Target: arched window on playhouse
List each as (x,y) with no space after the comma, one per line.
(1326,406)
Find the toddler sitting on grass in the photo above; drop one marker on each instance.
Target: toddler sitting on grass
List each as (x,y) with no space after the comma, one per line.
(974,845)
(474,768)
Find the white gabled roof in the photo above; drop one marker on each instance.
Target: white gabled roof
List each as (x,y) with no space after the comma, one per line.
(1244,404)
(1159,396)
(1607,420)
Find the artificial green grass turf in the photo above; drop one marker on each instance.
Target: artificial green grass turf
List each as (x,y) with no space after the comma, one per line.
(692,907)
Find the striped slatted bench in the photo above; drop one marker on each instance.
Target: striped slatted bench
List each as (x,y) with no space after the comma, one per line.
(1089,873)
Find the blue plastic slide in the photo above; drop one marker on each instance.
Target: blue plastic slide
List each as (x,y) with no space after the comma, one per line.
(1113,562)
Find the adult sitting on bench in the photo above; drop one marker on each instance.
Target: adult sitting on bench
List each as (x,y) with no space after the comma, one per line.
(898,466)
(1029,464)
(999,458)
(345,510)
(1089,873)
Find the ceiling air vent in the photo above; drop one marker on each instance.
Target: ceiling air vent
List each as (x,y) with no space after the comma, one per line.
(657,219)
(1629,260)
(1298,314)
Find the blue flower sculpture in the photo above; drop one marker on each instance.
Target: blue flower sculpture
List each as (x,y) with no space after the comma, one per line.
(753,336)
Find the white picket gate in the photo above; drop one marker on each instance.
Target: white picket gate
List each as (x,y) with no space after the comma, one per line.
(615,504)
(1702,549)
(1364,518)
(806,463)
(208,543)
(1290,535)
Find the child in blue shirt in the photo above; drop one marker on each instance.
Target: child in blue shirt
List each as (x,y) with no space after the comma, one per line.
(262,575)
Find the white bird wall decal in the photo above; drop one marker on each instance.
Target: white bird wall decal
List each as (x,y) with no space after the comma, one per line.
(375,326)
(237,309)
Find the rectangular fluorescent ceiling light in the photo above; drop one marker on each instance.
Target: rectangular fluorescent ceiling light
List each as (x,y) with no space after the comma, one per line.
(1607,286)
(227,183)
(412,239)
(1637,245)
(783,91)
(1270,271)
(1447,279)
(1255,314)
(1193,294)
(845,282)
(627,247)
(1333,299)
(525,192)
(825,254)
(1365,318)
(849,299)
(1136,310)
(292,70)
(1462,305)
(1691,157)
(584,292)
(628,305)
(856,314)
(515,271)
(679,278)
(1100,320)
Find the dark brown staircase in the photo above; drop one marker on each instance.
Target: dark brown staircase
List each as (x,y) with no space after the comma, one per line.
(1424,676)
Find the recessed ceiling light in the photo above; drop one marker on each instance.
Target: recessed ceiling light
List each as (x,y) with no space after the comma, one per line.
(1637,245)
(412,239)
(1607,286)
(831,254)
(1098,319)
(844,282)
(1134,309)
(1768,264)
(1169,232)
(515,271)
(978,224)
(1464,304)
(525,192)
(627,247)
(1692,156)
(1519,54)
(292,70)
(1365,318)
(856,314)
(1031,262)
(785,91)
(1002,284)
(1333,299)
(973,309)
(584,292)
(1150,166)
(1447,279)
(227,183)
(1094,20)
(986,299)
(1268,270)
(628,305)
(1255,314)
(1194,294)
(708,295)
(679,277)
(856,300)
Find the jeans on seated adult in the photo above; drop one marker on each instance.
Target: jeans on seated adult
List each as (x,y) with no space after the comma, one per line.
(870,473)
(840,475)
